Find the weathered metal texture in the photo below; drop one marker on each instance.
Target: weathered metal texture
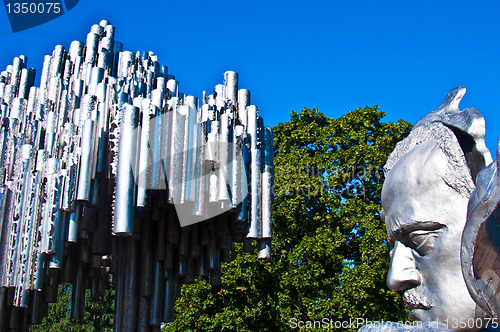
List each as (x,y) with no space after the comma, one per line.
(468,122)
(425,199)
(125,192)
(231,84)
(254,230)
(267,183)
(480,251)
(86,162)
(109,128)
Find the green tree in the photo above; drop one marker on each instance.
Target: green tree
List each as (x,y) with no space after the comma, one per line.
(98,315)
(330,255)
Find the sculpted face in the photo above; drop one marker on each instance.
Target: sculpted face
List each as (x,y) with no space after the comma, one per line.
(424,218)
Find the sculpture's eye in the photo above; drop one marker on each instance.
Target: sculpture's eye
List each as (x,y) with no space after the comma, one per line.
(424,241)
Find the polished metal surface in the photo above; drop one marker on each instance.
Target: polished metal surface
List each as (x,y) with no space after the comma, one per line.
(429,179)
(107,169)
(480,254)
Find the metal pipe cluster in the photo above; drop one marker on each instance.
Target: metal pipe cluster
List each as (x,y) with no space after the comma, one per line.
(107,169)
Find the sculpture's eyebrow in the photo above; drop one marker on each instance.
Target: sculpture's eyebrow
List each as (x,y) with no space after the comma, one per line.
(427,225)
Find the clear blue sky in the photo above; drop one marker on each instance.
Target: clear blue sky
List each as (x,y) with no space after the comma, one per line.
(332,55)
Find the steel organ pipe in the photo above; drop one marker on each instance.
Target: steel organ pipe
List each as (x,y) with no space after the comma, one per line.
(106,168)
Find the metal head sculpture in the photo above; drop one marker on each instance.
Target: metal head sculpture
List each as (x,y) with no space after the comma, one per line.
(430,176)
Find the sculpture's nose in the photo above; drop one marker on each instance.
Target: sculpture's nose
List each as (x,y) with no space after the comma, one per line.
(403,273)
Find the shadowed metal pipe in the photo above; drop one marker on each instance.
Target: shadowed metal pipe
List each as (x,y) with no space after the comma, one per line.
(169,298)
(156,300)
(78,293)
(129,304)
(267,183)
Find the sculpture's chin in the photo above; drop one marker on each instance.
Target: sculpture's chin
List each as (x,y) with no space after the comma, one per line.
(418,314)
(422,315)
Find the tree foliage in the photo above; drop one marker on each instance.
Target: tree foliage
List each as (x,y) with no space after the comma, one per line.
(330,255)
(98,315)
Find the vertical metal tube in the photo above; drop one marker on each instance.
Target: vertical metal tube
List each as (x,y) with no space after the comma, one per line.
(194,241)
(78,293)
(213,255)
(156,299)
(145,153)
(130,295)
(173,229)
(212,156)
(176,152)
(200,174)
(264,249)
(158,137)
(243,103)
(185,239)
(96,77)
(125,184)
(255,171)
(92,45)
(238,167)
(3,308)
(119,284)
(267,183)
(224,162)
(75,49)
(86,162)
(169,300)
(125,63)
(220,97)
(17,67)
(190,139)
(200,263)
(73,226)
(24,84)
(173,87)
(160,239)
(231,84)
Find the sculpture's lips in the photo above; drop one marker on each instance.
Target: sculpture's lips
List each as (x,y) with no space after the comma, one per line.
(414,300)
(411,306)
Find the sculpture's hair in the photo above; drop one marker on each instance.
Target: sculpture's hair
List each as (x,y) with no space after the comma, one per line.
(457,174)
